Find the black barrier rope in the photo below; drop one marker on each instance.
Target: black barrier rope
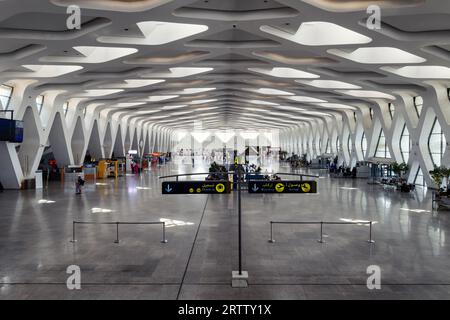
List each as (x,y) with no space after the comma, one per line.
(192,249)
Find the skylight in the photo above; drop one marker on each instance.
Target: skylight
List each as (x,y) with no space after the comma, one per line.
(305,99)
(91,54)
(42,71)
(319,33)
(157,33)
(420,72)
(132,83)
(269,91)
(367,94)
(329,84)
(178,72)
(159,98)
(377,55)
(281,72)
(98,92)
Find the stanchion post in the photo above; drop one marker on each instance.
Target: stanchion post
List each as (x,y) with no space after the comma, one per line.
(271,232)
(117,233)
(370,233)
(321,233)
(164,240)
(73,233)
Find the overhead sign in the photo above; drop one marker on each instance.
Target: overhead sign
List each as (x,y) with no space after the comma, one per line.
(196,187)
(282,187)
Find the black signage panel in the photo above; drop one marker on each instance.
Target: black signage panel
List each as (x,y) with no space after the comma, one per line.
(196,187)
(282,187)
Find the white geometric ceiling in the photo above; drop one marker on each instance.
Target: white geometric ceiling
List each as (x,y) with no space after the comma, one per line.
(235,64)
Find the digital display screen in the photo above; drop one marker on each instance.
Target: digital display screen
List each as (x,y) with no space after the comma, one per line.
(11,130)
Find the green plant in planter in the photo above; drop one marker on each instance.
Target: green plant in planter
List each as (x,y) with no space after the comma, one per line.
(399,169)
(446,175)
(437,174)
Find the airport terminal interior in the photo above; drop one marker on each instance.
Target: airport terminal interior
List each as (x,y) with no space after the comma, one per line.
(224,149)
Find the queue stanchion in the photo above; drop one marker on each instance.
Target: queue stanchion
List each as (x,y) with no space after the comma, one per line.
(164,240)
(370,233)
(117,233)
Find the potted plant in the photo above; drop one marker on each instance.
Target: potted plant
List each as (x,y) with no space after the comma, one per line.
(399,169)
(446,175)
(437,174)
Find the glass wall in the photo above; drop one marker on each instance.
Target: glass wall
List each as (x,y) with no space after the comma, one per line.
(391,110)
(65,107)
(418,104)
(405,144)
(39,102)
(5,96)
(420,181)
(364,144)
(382,149)
(436,143)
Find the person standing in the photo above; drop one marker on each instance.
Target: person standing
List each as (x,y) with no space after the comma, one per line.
(193,158)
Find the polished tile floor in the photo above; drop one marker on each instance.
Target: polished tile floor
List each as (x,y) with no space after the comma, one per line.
(412,243)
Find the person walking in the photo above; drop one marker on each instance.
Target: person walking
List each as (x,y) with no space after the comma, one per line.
(78,184)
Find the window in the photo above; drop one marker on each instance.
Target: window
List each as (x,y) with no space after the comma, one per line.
(349,144)
(405,144)
(5,96)
(419,180)
(65,107)
(418,104)
(382,150)
(391,110)
(436,143)
(364,144)
(39,102)
(327,149)
(320,145)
